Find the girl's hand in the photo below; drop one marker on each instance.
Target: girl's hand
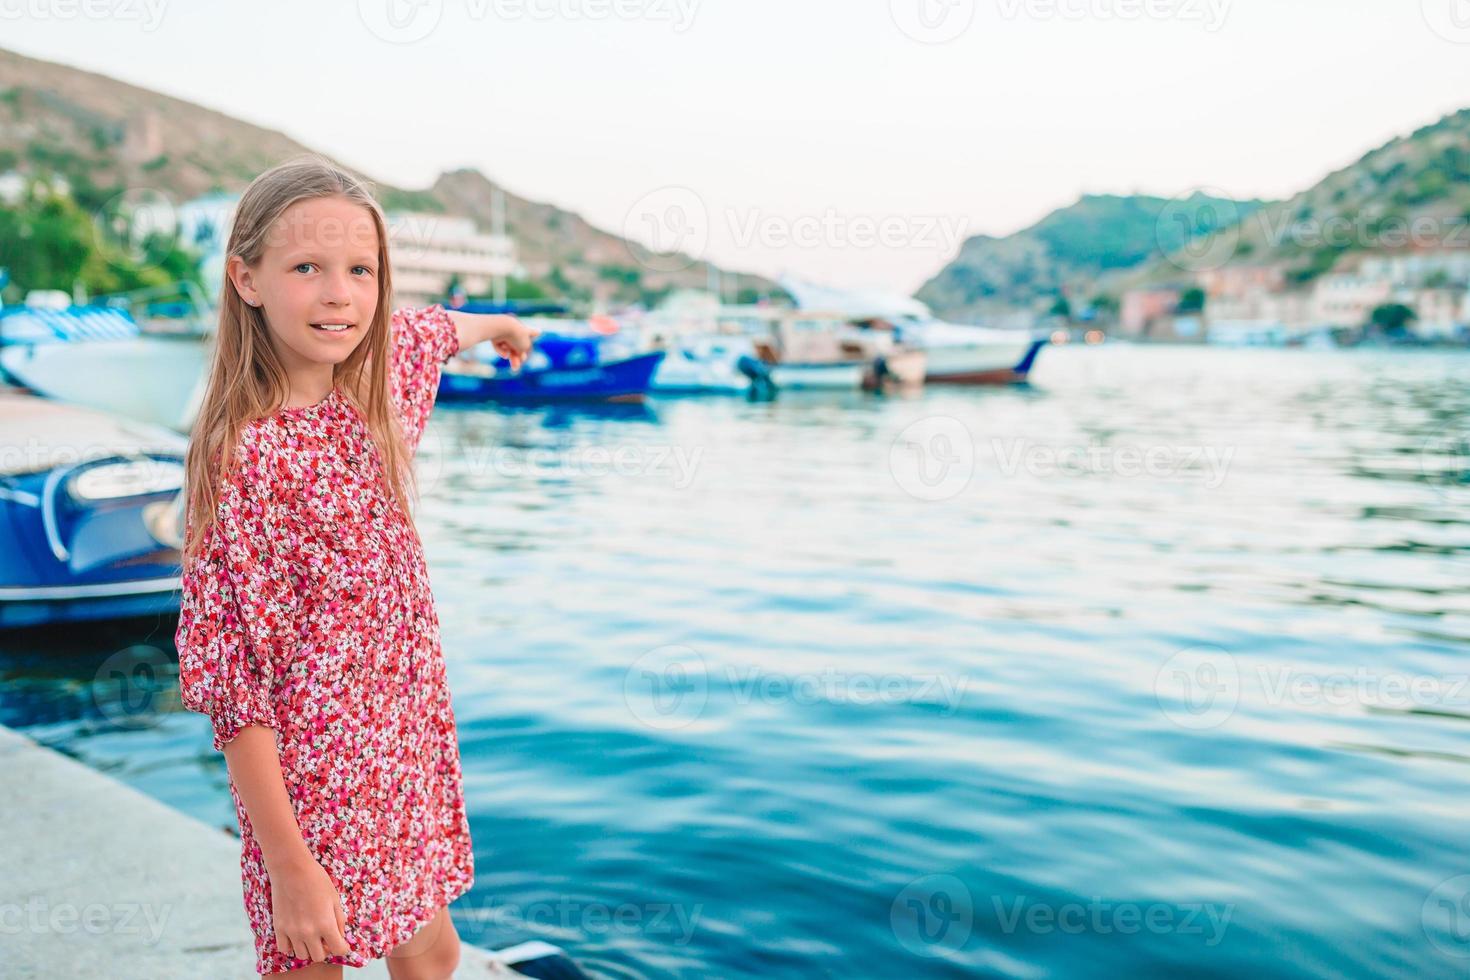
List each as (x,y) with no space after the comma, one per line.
(307,912)
(513,340)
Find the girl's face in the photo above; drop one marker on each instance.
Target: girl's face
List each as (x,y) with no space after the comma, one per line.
(319,268)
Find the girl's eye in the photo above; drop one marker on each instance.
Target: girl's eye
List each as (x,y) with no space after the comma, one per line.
(303,265)
(364,269)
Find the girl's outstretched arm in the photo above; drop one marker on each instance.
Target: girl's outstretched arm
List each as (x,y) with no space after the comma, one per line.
(305,907)
(511,337)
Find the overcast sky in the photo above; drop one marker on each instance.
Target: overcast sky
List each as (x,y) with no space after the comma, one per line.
(854,142)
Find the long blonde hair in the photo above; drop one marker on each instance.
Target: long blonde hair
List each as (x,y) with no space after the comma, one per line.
(247,380)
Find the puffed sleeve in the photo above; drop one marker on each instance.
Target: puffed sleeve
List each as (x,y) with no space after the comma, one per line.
(423,338)
(237,611)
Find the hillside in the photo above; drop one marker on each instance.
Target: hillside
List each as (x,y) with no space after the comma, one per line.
(1069,250)
(1413,192)
(104,136)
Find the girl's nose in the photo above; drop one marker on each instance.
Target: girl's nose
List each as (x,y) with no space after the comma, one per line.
(336,290)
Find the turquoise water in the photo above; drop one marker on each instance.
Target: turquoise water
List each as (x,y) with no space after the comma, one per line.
(1158,666)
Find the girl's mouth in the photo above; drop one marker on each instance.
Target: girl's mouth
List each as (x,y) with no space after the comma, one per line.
(332,327)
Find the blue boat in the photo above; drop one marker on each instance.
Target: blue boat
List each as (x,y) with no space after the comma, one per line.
(89,513)
(561,368)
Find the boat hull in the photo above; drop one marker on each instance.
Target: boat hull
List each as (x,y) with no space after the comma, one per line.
(982,364)
(624,380)
(151,379)
(819,376)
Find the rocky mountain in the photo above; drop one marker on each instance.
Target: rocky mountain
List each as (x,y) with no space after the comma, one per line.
(1411,193)
(109,138)
(1070,250)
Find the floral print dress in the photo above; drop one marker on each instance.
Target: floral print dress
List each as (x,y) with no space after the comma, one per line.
(308,611)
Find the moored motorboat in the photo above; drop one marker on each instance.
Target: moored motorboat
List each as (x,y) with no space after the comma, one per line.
(90,511)
(714,363)
(97,356)
(561,368)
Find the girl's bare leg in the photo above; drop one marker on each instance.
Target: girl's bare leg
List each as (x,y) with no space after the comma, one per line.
(431,954)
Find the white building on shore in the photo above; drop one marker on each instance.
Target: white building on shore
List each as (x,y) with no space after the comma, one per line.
(431,249)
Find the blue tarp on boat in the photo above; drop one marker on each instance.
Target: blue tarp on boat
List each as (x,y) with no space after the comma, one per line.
(38,325)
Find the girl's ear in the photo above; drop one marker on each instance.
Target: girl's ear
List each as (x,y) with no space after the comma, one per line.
(242,279)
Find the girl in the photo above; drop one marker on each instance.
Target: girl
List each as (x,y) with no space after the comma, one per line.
(307,631)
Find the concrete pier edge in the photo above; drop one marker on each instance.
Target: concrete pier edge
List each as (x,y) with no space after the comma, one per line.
(100,880)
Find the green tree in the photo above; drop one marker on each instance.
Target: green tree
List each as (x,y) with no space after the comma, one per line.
(1393,318)
(1192,300)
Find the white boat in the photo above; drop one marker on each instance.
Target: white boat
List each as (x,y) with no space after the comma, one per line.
(962,354)
(954,353)
(157,380)
(97,356)
(713,363)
